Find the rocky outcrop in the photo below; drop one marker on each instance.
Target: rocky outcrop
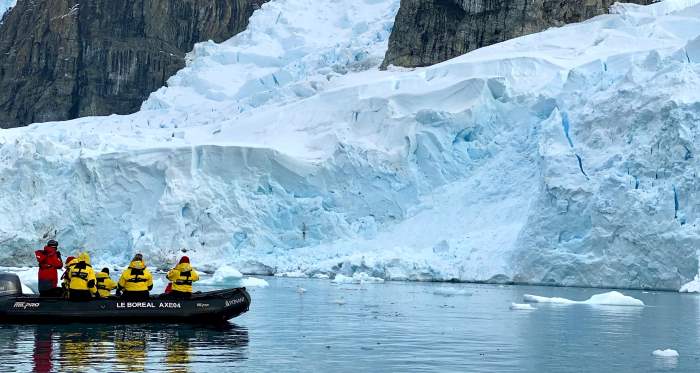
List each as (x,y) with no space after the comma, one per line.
(63,59)
(427,32)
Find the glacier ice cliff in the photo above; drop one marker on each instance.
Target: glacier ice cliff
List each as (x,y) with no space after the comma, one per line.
(565,157)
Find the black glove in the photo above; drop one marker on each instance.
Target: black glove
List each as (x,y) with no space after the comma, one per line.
(58,254)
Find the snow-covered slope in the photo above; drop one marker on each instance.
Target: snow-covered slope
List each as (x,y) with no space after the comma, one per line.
(5,5)
(563,157)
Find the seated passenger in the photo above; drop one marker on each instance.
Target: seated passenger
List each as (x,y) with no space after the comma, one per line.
(105,285)
(82,284)
(181,277)
(65,277)
(136,281)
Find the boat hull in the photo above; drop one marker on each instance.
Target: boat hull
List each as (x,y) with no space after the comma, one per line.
(209,307)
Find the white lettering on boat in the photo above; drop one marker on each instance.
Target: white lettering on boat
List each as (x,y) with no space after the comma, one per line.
(148,305)
(203,305)
(234,301)
(170,305)
(25,305)
(135,305)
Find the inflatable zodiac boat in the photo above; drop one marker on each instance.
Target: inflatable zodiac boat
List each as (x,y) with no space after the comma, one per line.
(202,308)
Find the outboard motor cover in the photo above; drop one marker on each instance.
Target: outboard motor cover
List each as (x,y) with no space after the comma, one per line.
(10,285)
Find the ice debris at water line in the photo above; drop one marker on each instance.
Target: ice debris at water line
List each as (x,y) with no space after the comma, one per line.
(612,298)
(521,307)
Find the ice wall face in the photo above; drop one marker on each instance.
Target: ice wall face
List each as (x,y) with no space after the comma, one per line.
(563,157)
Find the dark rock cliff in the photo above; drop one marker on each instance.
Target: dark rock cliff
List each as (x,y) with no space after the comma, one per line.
(63,59)
(427,32)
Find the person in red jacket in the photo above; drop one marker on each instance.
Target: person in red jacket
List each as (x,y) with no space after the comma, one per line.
(49,263)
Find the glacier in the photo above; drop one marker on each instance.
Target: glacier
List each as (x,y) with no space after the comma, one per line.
(565,157)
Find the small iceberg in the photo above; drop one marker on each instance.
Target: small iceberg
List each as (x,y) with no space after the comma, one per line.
(223,275)
(668,353)
(227,275)
(612,298)
(692,286)
(451,292)
(357,278)
(521,307)
(253,282)
(292,274)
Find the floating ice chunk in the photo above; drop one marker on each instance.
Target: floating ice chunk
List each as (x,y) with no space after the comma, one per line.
(27,290)
(612,298)
(668,353)
(321,276)
(340,301)
(449,292)
(224,275)
(521,307)
(253,282)
(357,278)
(292,274)
(301,290)
(692,286)
(538,299)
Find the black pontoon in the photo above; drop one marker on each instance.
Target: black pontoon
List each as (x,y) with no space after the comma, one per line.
(208,307)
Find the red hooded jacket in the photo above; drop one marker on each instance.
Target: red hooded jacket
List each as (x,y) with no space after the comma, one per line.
(49,263)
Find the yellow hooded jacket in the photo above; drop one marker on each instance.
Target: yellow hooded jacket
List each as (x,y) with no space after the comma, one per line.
(182,277)
(66,274)
(105,284)
(82,276)
(136,278)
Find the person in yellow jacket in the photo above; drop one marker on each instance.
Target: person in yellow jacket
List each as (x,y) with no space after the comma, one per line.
(105,285)
(65,277)
(181,277)
(136,281)
(82,284)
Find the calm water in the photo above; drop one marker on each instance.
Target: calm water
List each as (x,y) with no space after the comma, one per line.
(393,327)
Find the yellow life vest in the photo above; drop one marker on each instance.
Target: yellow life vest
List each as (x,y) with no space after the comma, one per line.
(136,278)
(105,285)
(82,276)
(182,277)
(65,277)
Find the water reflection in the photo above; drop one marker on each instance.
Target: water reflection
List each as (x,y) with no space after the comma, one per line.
(121,348)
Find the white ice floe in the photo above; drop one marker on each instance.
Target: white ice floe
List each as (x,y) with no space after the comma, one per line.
(292,274)
(692,286)
(357,278)
(612,298)
(340,301)
(521,307)
(668,353)
(224,275)
(253,282)
(450,292)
